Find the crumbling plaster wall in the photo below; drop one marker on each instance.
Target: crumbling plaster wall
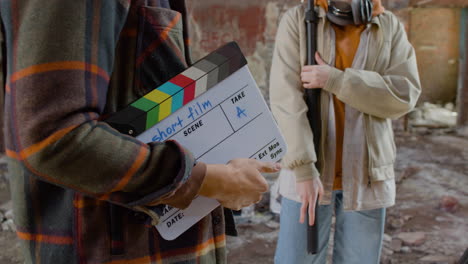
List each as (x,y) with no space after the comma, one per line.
(432,25)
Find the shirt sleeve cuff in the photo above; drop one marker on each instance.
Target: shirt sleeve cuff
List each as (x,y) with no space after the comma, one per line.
(184,195)
(333,80)
(181,198)
(306,172)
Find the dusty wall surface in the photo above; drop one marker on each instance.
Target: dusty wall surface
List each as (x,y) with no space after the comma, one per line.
(435,33)
(253,25)
(399,4)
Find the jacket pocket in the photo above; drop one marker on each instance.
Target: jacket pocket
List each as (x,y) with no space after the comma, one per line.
(160,49)
(381,148)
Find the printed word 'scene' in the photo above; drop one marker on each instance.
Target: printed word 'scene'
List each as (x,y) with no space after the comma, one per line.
(192,128)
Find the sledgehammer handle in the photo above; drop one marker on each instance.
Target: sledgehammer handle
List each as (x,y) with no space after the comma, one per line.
(312,98)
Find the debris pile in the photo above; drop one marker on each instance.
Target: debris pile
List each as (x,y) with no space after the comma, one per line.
(434,116)
(6,217)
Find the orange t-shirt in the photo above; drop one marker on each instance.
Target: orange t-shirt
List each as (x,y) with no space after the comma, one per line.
(347,43)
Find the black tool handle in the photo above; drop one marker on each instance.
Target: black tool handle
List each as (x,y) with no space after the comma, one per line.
(312,235)
(312,98)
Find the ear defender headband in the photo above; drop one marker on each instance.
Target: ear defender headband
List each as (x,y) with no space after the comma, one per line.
(359,12)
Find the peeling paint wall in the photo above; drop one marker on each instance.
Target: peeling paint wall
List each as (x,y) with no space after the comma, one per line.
(253,25)
(435,34)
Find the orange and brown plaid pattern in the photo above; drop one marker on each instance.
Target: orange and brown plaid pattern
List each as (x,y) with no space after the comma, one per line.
(74,179)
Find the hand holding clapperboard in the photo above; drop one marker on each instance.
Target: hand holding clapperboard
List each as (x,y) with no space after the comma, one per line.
(214,109)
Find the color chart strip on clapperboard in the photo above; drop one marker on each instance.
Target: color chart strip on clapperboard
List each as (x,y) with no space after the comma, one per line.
(180,90)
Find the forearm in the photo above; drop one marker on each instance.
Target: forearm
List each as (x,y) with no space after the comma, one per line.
(389,90)
(95,160)
(56,92)
(384,96)
(213,182)
(295,127)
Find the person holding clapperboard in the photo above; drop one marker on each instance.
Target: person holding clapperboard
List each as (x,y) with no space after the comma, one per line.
(83,192)
(368,75)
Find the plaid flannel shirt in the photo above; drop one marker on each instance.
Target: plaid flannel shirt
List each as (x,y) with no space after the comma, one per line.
(75,180)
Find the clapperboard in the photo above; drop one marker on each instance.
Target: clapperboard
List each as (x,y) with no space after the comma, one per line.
(214,109)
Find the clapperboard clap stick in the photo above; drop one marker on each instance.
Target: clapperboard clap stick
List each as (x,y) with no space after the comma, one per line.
(158,104)
(216,110)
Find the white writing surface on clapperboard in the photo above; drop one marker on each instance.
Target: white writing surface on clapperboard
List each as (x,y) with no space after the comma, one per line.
(230,120)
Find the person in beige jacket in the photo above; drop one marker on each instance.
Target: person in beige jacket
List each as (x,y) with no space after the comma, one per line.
(368,75)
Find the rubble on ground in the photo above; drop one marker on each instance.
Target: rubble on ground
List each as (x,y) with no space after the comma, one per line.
(427,224)
(412,238)
(434,116)
(8,225)
(6,217)
(449,204)
(463,131)
(437,259)
(396,245)
(6,207)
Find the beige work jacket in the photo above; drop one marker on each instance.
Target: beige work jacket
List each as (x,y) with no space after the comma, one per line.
(383,84)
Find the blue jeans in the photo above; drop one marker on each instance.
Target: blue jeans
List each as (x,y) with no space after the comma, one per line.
(358,235)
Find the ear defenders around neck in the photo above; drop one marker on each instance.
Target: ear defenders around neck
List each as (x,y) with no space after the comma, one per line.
(358,12)
(362,11)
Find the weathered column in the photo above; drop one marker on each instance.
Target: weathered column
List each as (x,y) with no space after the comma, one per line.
(462,100)
(2,92)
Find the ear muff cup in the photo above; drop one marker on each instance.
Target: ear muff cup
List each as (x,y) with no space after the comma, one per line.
(362,11)
(338,20)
